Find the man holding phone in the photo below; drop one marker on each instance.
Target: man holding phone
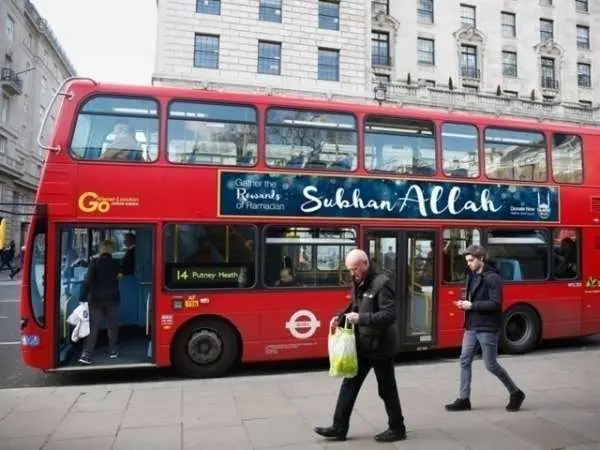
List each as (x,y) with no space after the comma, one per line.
(483,321)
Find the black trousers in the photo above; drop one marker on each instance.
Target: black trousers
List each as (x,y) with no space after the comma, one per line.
(388,392)
(110,312)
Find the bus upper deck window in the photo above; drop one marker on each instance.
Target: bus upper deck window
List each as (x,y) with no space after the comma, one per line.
(212,134)
(515,155)
(400,146)
(311,140)
(116,129)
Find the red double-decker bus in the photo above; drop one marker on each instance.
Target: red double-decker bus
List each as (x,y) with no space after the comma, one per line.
(242,208)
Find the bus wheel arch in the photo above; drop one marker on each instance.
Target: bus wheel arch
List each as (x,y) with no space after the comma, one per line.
(206,346)
(521,329)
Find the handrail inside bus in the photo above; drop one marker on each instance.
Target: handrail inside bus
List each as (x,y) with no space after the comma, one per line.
(59,92)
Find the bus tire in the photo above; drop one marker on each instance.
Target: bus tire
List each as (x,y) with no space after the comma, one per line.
(521,330)
(205,348)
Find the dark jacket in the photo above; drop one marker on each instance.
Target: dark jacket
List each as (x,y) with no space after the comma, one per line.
(101,282)
(375,302)
(484,291)
(128,267)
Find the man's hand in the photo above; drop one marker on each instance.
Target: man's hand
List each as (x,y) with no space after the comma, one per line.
(464,304)
(334,323)
(352,318)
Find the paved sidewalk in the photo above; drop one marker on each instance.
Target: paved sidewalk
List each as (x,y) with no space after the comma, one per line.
(562,411)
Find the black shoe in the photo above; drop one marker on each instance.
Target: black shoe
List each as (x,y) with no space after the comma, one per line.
(390,435)
(84,359)
(516,400)
(459,404)
(331,433)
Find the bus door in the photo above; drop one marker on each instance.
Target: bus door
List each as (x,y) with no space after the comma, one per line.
(134,252)
(407,257)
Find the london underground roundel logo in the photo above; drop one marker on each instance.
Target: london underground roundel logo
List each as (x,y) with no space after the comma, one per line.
(303,324)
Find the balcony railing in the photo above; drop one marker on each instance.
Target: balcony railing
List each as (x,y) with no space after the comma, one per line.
(470,72)
(381,60)
(549,83)
(489,103)
(11,83)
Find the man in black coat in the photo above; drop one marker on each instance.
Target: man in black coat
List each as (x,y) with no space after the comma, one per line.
(483,321)
(101,284)
(373,312)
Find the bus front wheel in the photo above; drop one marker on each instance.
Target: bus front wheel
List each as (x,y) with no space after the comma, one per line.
(205,348)
(521,330)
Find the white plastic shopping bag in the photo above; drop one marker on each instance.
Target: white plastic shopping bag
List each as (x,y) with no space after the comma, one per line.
(343,360)
(80,319)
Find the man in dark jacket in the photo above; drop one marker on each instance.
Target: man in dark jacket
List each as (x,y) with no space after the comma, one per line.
(483,321)
(373,312)
(101,283)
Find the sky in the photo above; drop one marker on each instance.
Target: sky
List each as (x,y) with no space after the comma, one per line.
(108,40)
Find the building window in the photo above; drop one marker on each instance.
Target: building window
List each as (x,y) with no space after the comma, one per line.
(581,6)
(3,145)
(329,64)
(546,30)
(509,25)
(208,7)
(381,5)
(460,144)
(515,155)
(425,11)
(519,254)
(43,86)
(269,57)
(509,64)
(566,158)
(329,15)
(470,89)
(10,28)
(583,37)
(584,75)
(380,48)
(546,2)
(467,16)
(430,83)
(513,94)
(5,108)
(269,10)
(548,74)
(426,51)
(206,51)
(381,77)
(468,61)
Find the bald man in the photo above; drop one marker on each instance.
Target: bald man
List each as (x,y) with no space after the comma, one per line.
(373,312)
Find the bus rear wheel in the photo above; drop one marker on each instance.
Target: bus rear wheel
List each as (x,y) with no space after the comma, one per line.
(205,348)
(521,330)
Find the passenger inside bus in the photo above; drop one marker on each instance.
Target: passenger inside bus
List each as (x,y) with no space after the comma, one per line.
(124,146)
(286,279)
(566,259)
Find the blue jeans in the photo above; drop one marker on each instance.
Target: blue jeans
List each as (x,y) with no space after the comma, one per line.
(489,347)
